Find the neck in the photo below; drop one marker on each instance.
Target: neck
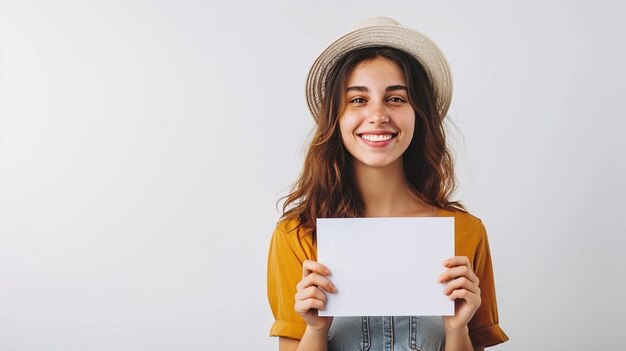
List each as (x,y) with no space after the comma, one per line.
(387,192)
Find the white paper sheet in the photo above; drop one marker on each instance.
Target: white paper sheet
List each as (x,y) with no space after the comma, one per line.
(386,266)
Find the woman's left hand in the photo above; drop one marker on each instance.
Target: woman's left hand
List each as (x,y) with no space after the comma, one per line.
(462,286)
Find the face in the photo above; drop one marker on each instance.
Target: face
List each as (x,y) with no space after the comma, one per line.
(378,121)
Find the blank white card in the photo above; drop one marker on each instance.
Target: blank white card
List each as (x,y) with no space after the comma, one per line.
(386,266)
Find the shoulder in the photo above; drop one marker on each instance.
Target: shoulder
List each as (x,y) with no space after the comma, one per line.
(464,222)
(469,232)
(290,236)
(290,229)
(285,226)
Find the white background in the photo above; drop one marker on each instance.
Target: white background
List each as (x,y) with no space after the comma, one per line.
(143,146)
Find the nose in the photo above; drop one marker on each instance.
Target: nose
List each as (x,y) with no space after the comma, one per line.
(378,114)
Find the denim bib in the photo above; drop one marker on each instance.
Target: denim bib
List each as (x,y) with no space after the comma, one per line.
(424,333)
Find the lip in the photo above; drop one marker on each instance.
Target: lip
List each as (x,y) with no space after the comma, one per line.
(379,132)
(377,144)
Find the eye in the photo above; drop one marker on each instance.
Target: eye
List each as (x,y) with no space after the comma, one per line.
(397,99)
(357,100)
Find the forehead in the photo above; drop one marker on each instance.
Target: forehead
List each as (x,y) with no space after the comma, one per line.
(376,71)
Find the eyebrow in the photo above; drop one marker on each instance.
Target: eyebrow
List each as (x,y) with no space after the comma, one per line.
(389,88)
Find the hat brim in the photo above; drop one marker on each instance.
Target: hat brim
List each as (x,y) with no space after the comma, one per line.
(396,36)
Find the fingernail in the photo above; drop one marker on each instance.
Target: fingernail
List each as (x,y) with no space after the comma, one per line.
(446,262)
(326,271)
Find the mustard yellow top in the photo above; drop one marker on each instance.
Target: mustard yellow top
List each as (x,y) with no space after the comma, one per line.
(289,248)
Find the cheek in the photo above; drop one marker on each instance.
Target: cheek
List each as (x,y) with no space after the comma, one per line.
(347,126)
(411,129)
(409,124)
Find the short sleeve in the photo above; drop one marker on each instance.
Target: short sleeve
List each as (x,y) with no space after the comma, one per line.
(289,248)
(484,329)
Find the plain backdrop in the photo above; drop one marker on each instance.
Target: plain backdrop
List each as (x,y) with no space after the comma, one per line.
(144,144)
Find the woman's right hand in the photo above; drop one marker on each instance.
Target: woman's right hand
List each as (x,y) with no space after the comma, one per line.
(311,295)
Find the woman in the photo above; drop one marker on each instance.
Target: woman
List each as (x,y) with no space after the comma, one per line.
(379,95)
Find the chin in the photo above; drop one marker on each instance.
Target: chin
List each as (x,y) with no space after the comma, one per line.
(376,163)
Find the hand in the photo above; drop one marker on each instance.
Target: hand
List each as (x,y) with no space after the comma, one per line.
(311,295)
(462,286)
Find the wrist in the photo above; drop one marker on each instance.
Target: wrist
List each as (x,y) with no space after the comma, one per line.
(456,330)
(458,338)
(321,331)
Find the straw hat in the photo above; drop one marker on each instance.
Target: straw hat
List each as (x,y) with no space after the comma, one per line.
(381,31)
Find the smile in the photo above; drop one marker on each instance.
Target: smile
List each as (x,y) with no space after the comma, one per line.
(377,137)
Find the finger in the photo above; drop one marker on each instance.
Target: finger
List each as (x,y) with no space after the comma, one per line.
(311,292)
(316,280)
(456,272)
(309,267)
(304,306)
(457,261)
(461,283)
(470,297)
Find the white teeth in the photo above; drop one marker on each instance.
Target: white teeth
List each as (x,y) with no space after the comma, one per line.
(377,137)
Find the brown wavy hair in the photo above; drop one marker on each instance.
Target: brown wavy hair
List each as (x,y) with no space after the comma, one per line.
(326,186)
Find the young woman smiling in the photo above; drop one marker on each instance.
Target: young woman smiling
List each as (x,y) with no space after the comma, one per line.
(379,95)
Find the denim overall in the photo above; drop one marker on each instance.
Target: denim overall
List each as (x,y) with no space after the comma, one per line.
(424,333)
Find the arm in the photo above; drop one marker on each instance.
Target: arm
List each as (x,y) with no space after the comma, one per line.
(311,340)
(462,287)
(310,298)
(287,344)
(460,340)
